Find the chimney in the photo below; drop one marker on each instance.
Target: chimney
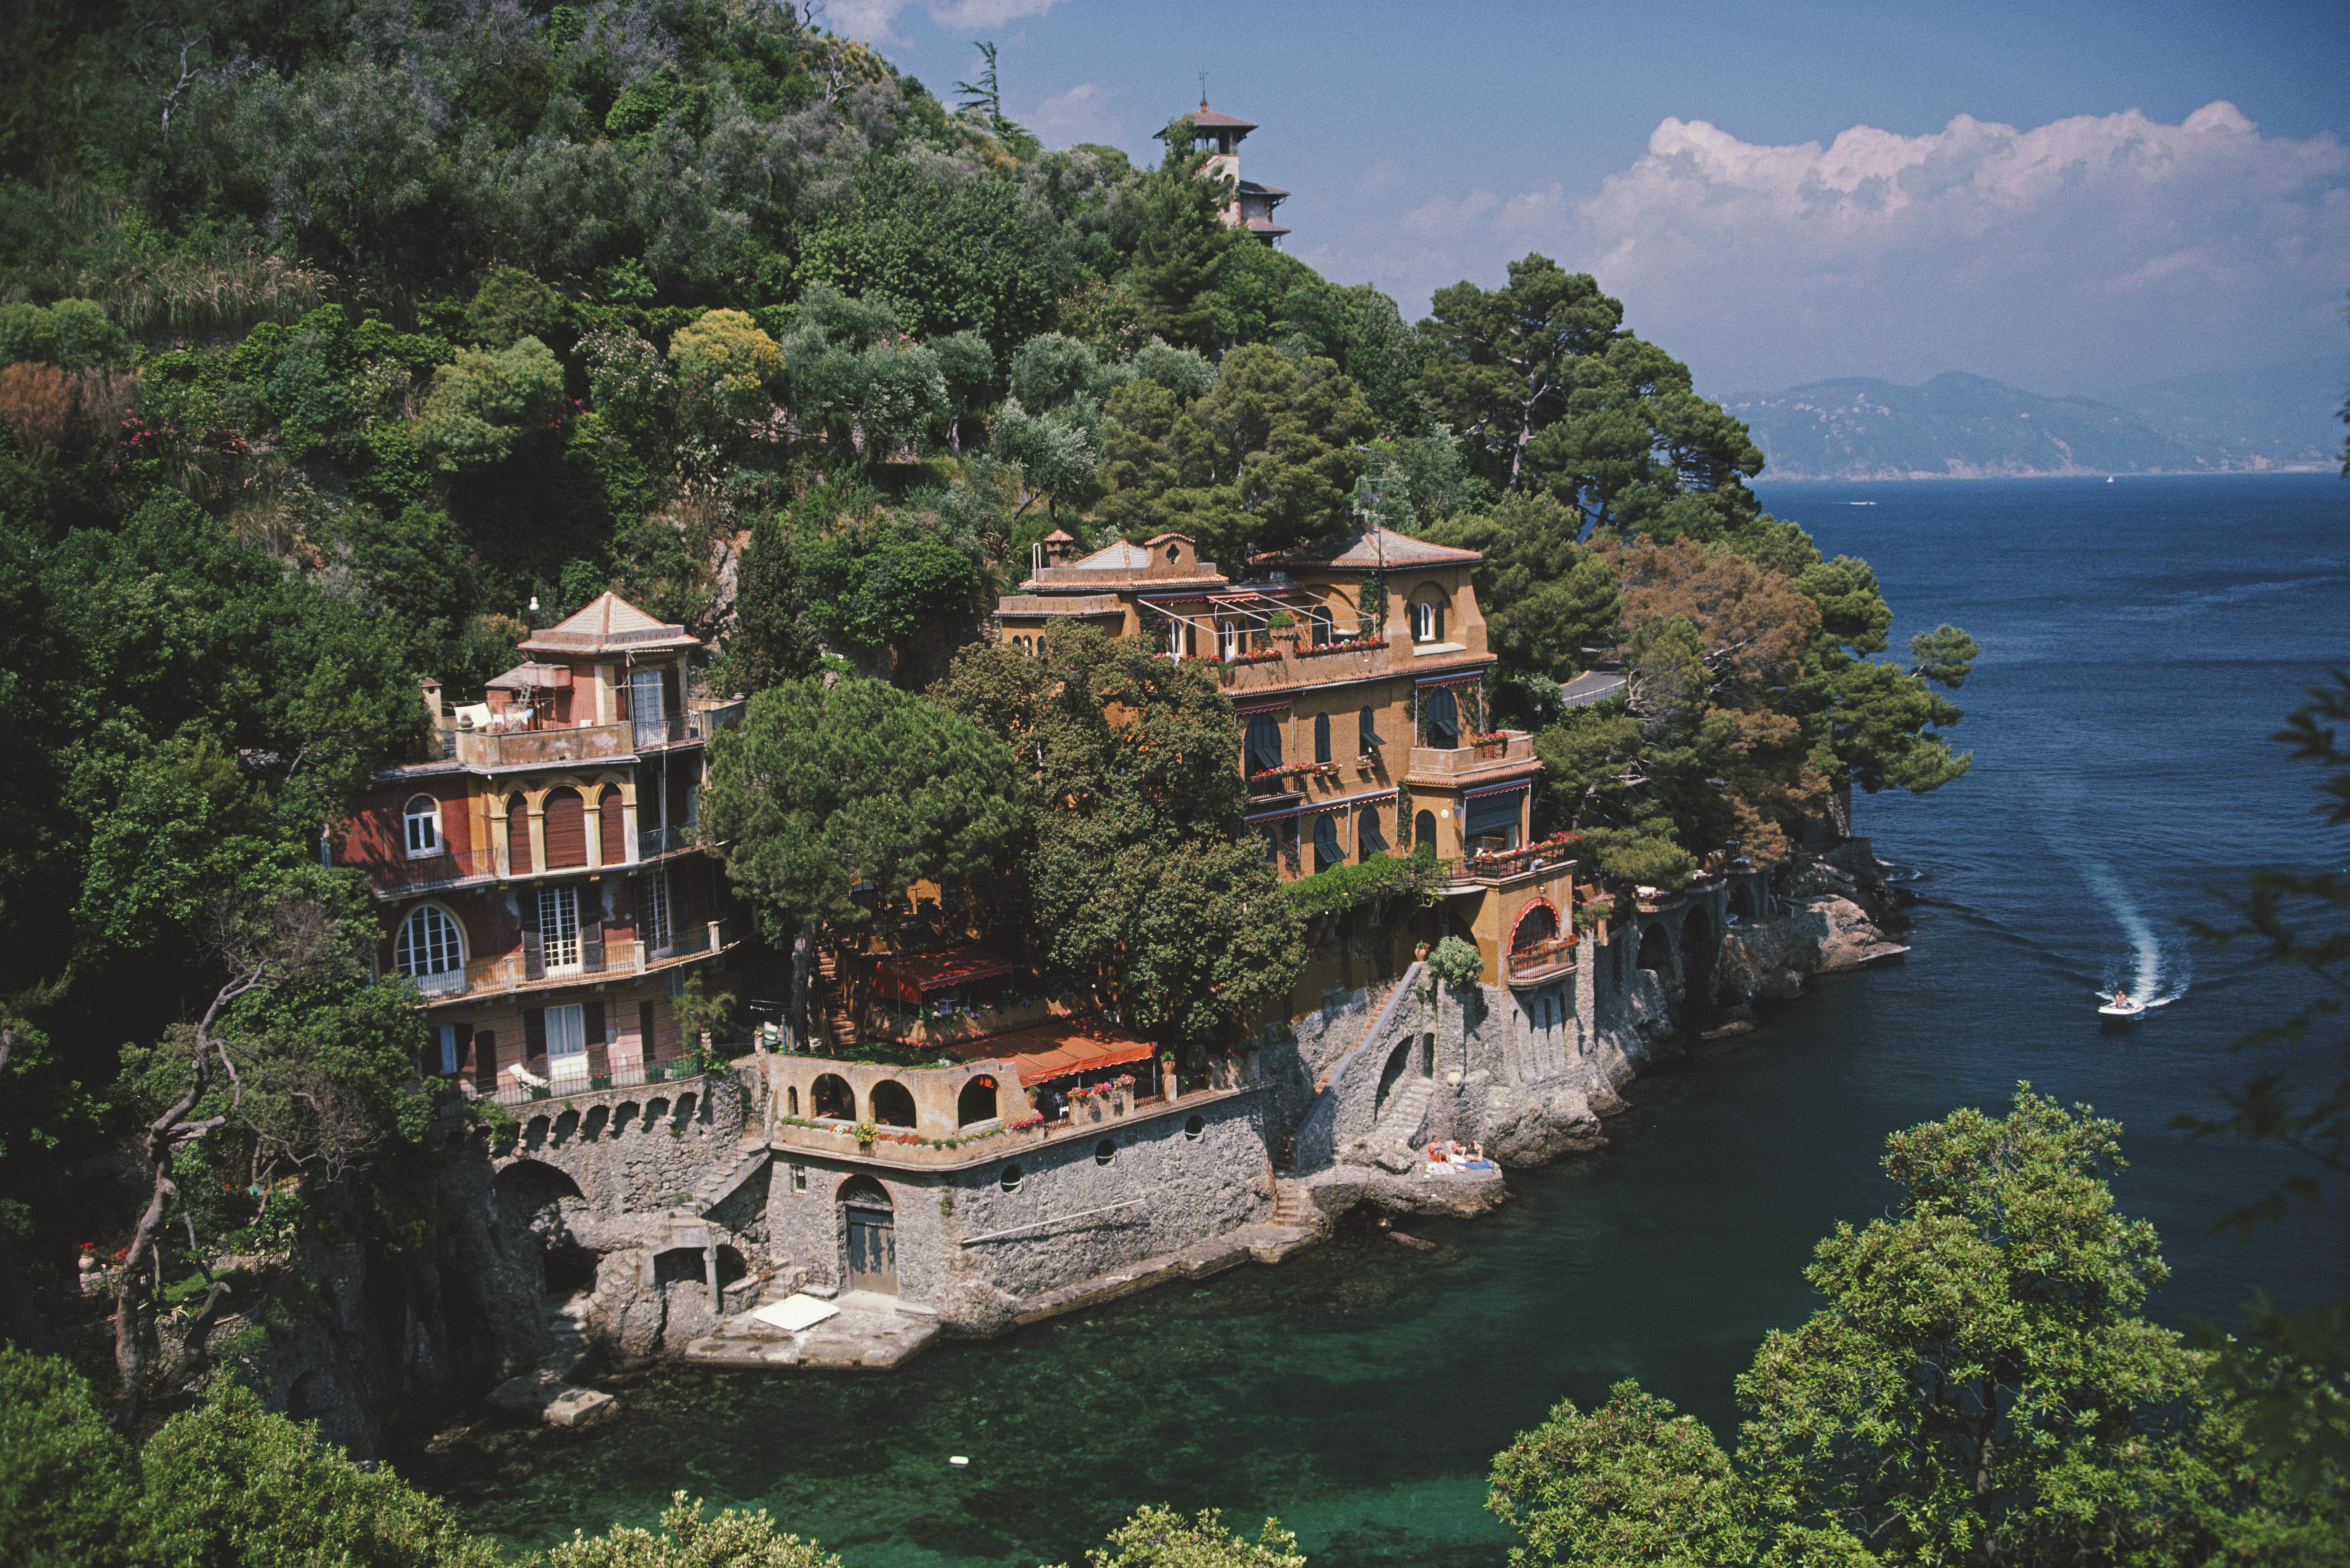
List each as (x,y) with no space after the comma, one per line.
(433,698)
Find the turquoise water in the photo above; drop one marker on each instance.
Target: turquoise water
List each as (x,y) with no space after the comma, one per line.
(2140,640)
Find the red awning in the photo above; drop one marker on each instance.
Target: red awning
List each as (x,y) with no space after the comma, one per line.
(1061,1049)
(907,976)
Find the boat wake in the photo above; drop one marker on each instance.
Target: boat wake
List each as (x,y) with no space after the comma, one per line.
(2151,976)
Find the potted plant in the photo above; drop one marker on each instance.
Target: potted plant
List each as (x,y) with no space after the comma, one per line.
(864,1133)
(1283,626)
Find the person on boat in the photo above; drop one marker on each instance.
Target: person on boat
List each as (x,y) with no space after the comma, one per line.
(2121,997)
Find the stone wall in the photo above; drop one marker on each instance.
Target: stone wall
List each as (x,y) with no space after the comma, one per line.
(973,1249)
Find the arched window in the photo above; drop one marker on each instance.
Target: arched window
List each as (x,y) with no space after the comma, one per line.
(1322,737)
(429,945)
(1423,834)
(893,1104)
(423,820)
(830,1099)
(611,827)
(977,1101)
(1366,733)
(1320,620)
(1368,839)
(1539,923)
(565,825)
(1326,850)
(865,1191)
(1427,620)
(1264,743)
(1443,718)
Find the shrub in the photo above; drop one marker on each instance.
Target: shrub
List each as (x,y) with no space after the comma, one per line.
(732,1540)
(484,403)
(724,367)
(69,1486)
(1344,886)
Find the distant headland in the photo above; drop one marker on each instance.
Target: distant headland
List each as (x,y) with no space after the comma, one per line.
(1960,426)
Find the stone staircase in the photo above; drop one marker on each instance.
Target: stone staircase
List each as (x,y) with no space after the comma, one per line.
(1405,1112)
(718,1186)
(1292,1207)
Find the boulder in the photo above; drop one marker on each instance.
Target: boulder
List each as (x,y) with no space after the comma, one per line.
(580,1408)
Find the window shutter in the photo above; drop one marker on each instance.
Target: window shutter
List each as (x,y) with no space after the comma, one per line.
(534,1039)
(1443,719)
(533,942)
(1368,839)
(1366,725)
(591,932)
(612,831)
(645,1042)
(518,838)
(566,829)
(485,1061)
(1321,737)
(591,1012)
(1327,852)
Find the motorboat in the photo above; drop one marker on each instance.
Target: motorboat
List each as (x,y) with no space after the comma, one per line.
(2122,1005)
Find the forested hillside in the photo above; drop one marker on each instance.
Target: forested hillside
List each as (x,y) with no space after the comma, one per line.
(343,340)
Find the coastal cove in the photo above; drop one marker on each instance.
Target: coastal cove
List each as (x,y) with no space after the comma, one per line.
(2141,639)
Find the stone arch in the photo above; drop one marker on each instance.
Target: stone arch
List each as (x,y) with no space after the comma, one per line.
(893,1103)
(567,1128)
(624,1113)
(593,1123)
(1655,949)
(1537,922)
(684,1112)
(977,1102)
(1743,903)
(528,1186)
(1394,1075)
(864,1191)
(831,1099)
(534,1135)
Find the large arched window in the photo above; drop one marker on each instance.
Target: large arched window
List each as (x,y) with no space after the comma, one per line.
(1423,834)
(830,1099)
(1368,839)
(977,1103)
(430,949)
(893,1104)
(422,821)
(566,830)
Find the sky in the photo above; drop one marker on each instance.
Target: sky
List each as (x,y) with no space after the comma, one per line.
(2069,197)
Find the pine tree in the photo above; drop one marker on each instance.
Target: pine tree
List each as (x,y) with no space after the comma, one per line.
(1180,253)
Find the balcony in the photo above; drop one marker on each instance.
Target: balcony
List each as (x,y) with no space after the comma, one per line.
(1540,962)
(702,717)
(1306,665)
(623,957)
(499,750)
(444,868)
(1431,765)
(652,843)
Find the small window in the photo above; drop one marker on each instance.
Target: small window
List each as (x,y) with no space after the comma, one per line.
(1011,1177)
(1423,834)
(1367,731)
(1426,621)
(800,1179)
(1104,1153)
(1174,553)
(1321,737)
(422,819)
(1193,1129)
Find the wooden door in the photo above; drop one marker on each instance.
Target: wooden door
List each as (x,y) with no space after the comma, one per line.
(872,1251)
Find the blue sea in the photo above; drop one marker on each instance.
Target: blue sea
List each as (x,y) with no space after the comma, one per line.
(2140,640)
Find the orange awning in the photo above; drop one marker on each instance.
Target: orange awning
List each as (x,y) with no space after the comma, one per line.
(1058,1049)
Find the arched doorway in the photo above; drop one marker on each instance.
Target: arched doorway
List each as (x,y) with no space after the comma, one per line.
(1742,901)
(867,1212)
(1655,949)
(977,1101)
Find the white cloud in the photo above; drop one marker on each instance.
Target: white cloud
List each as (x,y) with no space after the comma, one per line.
(2081,254)
(872,20)
(1081,114)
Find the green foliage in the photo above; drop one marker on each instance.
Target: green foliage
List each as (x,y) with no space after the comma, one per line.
(229,1485)
(75,334)
(1545,596)
(1268,457)
(1630,1482)
(687,1539)
(1980,1386)
(828,784)
(1135,875)
(510,305)
(2292,1369)
(1164,1538)
(725,368)
(1184,242)
(1454,961)
(484,403)
(68,1485)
